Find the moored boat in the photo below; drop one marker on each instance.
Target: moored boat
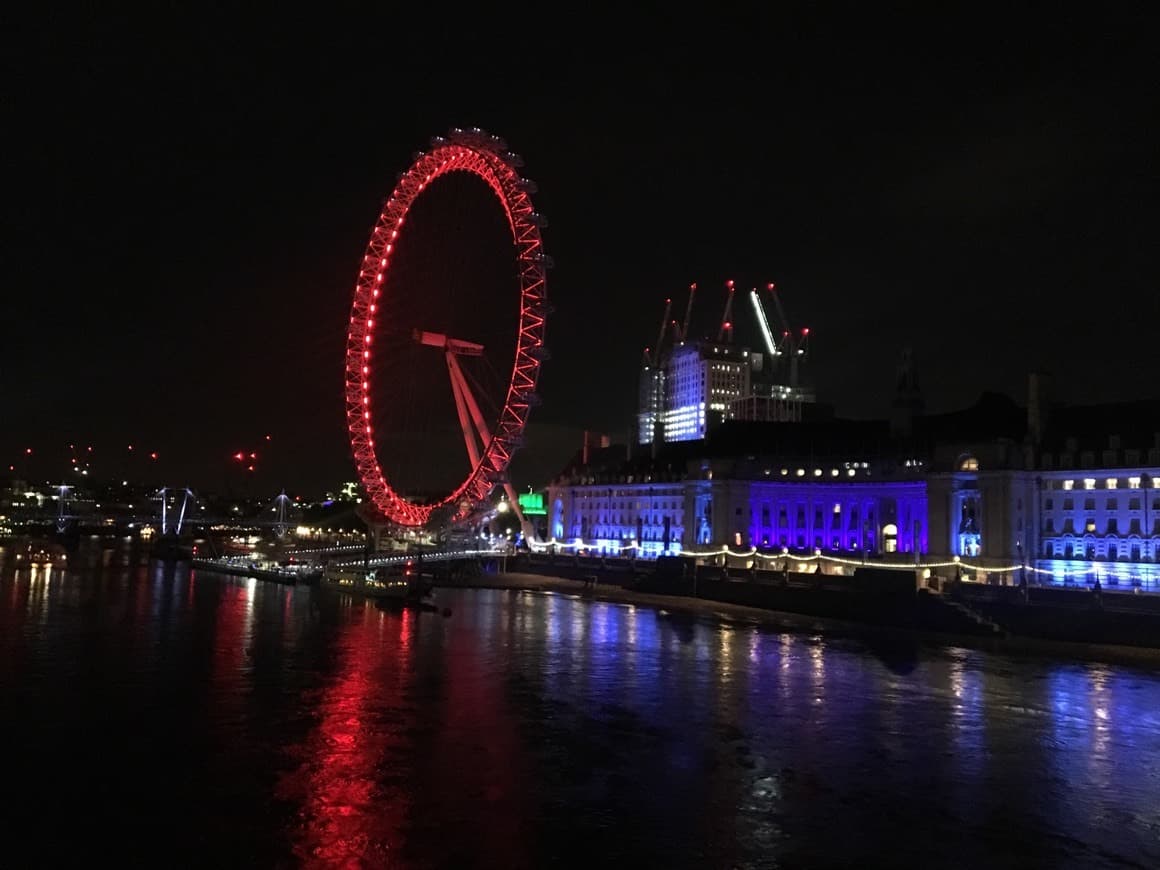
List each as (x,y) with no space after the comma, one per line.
(289,574)
(405,588)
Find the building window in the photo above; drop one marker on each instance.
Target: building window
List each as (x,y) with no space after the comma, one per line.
(968,463)
(1089,504)
(1048,505)
(1068,504)
(1111,483)
(1112,504)
(1133,483)
(1089,483)
(1068,484)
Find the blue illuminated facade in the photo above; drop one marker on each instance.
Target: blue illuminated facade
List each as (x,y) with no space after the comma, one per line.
(842,509)
(1100,523)
(871,516)
(613,515)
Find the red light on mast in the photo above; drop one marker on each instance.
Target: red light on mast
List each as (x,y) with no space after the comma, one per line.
(769,286)
(152,455)
(729,284)
(806,331)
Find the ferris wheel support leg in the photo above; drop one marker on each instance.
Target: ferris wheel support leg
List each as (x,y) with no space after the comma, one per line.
(457,390)
(462,392)
(472,405)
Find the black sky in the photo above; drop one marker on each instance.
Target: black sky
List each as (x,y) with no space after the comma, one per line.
(187,195)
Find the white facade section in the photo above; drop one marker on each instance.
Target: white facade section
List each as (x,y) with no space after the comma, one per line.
(702,380)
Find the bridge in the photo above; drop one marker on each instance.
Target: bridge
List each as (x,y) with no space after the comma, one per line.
(177,512)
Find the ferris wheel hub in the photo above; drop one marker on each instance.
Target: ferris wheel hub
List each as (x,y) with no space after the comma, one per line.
(451,345)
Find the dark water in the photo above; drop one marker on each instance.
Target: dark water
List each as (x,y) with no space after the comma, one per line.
(151,717)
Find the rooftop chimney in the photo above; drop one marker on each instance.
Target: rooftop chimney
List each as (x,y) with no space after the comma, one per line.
(908,401)
(1038,405)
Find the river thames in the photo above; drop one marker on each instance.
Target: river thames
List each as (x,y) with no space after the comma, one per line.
(153,715)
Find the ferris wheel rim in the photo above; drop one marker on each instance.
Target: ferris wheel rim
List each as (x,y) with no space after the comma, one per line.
(487,158)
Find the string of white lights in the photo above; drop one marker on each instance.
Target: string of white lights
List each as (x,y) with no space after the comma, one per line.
(955,561)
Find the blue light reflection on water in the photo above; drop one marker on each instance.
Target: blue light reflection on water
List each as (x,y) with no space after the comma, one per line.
(529,729)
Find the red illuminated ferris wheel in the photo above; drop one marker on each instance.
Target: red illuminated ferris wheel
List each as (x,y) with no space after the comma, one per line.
(384,313)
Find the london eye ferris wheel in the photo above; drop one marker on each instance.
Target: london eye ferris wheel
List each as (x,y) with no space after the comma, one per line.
(446,334)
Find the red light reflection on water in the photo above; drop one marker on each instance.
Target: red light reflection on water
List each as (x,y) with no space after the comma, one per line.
(351,802)
(230,662)
(415,755)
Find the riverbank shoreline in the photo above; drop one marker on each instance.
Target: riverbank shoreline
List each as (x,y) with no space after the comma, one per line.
(1142,657)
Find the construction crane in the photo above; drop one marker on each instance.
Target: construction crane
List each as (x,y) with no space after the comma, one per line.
(661,333)
(688,313)
(726,322)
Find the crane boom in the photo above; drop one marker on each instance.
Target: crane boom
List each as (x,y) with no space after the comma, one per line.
(763,322)
(661,333)
(688,313)
(726,323)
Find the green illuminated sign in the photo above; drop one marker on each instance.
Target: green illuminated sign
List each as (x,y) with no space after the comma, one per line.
(532,504)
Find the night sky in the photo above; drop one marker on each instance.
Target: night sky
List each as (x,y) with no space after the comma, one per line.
(187,197)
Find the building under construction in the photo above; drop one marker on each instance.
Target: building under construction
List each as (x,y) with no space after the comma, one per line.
(688,385)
